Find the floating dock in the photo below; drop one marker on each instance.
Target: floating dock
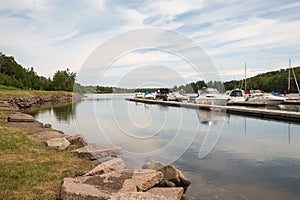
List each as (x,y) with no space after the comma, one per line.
(283,115)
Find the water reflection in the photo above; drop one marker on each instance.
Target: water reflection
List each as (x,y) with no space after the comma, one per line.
(251,158)
(65,112)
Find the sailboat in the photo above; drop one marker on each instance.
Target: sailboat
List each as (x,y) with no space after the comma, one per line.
(289,79)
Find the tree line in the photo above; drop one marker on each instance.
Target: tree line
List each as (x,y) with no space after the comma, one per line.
(13,74)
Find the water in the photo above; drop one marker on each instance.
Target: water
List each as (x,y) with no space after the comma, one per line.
(224,156)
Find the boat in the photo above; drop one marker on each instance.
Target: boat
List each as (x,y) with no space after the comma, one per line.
(139,95)
(171,96)
(150,95)
(253,98)
(211,96)
(181,96)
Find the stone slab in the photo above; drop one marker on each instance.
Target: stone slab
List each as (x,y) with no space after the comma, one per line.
(93,151)
(146,179)
(174,193)
(114,164)
(20,117)
(43,136)
(76,190)
(60,143)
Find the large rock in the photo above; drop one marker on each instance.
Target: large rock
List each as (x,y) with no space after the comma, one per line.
(174,193)
(138,196)
(60,143)
(108,185)
(114,164)
(171,174)
(146,179)
(93,151)
(77,140)
(19,117)
(43,136)
(73,189)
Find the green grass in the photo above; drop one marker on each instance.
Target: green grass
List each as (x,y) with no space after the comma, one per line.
(7,91)
(31,170)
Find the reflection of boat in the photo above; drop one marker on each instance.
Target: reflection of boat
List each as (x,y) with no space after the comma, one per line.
(211,96)
(254,97)
(210,118)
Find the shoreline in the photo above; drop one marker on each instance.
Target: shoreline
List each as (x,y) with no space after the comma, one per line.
(150,182)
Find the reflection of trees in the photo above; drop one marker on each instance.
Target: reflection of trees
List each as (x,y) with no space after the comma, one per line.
(62,112)
(65,113)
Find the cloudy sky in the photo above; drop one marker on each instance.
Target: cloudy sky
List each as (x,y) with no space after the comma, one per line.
(52,35)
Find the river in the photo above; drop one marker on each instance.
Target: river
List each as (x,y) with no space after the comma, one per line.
(225,156)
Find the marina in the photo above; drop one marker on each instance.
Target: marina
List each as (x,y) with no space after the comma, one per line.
(241,110)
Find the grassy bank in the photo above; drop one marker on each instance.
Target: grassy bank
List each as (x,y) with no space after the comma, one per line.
(6,92)
(29,169)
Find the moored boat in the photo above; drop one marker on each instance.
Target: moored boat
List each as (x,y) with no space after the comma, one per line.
(211,96)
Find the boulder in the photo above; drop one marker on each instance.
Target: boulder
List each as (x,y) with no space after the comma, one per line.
(137,196)
(174,193)
(60,143)
(171,174)
(146,179)
(114,164)
(77,140)
(73,189)
(19,117)
(47,126)
(43,136)
(93,151)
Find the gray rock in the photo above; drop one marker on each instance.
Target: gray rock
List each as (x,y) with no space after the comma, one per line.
(43,136)
(174,193)
(137,196)
(60,143)
(73,189)
(146,179)
(93,151)
(114,164)
(170,173)
(153,164)
(19,117)
(77,140)
(47,126)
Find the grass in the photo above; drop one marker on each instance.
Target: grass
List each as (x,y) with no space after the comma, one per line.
(7,91)
(31,170)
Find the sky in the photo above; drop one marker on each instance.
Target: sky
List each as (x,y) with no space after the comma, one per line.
(52,35)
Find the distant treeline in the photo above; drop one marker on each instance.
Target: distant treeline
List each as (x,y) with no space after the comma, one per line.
(13,74)
(270,81)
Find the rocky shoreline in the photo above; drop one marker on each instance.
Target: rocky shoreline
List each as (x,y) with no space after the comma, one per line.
(112,177)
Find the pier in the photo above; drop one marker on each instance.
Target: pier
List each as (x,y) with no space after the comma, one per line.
(261,112)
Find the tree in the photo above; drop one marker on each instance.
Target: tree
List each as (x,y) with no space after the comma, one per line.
(64,80)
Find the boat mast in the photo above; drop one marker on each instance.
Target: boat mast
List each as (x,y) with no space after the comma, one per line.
(295,78)
(289,77)
(245,76)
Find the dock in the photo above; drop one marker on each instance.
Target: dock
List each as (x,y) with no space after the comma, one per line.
(260,112)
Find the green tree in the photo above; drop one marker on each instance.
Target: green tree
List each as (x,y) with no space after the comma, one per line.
(64,80)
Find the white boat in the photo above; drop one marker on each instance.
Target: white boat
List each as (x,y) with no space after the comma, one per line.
(171,97)
(139,95)
(266,98)
(254,97)
(150,95)
(211,96)
(181,96)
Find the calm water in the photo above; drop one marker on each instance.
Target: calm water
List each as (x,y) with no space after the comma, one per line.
(225,156)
